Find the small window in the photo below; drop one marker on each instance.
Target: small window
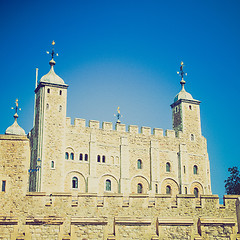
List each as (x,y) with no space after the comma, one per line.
(47,106)
(176,109)
(66,155)
(86,157)
(81,157)
(139,164)
(72,156)
(156,188)
(195,169)
(3,186)
(108,185)
(190,107)
(60,108)
(98,158)
(139,188)
(74,182)
(196,192)
(48,90)
(168,190)
(192,137)
(103,159)
(52,164)
(184,169)
(185,190)
(168,167)
(60,92)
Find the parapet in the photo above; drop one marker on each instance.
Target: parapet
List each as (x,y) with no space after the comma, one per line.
(132,129)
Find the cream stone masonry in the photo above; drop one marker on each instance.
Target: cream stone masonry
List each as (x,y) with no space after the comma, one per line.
(80,158)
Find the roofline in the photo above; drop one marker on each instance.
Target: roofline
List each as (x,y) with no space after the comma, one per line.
(185,101)
(41,84)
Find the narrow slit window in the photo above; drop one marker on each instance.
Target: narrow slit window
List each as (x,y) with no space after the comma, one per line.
(139,188)
(48,90)
(195,169)
(168,190)
(168,167)
(81,157)
(139,164)
(108,185)
(86,157)
(72,156)
(103,159)
(66,155)
(3,186)
(60,92)
(74,182)
(196,192)
(98,158)
(52,164)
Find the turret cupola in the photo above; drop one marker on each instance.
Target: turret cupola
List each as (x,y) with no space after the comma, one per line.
(15,129)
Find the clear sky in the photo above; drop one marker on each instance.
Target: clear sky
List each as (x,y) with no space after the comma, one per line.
(126,53)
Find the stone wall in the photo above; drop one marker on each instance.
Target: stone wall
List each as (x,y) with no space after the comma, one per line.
(112,216)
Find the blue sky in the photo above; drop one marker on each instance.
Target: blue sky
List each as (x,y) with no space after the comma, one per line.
(126,53)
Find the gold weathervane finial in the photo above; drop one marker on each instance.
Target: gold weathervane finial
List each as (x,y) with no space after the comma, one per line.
(53,52)
(182,74)
(16,108)
(118,115)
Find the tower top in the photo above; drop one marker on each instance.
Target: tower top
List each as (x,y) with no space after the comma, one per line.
(51,76)
(15,129)
(182,94)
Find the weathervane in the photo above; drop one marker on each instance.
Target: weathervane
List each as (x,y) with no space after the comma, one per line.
(16,108)
(118,115)
(53,52)
(182,73)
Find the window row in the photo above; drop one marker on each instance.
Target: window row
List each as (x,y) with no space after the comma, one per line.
(71,156)
(101,159)
(168,168)
(60,91)
(59,108)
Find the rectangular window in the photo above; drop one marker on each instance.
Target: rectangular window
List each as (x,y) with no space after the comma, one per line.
(3,186)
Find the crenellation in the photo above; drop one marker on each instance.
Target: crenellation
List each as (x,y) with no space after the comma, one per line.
(146,131)
(120,127)
(94,124)
(133,129)
(78,122)
(158,132)
(170,133)
(68,121)
(107,126)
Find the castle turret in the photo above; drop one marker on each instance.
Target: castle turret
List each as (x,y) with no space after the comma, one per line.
(47,135)
(186,112)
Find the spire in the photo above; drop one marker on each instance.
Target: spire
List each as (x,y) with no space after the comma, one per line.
(182,73)
(15,129)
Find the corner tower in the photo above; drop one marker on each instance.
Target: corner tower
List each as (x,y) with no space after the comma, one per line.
(48,134)
(186,112)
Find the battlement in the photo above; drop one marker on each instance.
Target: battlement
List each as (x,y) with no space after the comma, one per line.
(132,129)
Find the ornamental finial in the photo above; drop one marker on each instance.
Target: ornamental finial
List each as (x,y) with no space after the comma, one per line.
(118,115)
(53,54)
(182,73)
(16,109)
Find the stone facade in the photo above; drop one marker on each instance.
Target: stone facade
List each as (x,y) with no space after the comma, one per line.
(66,182)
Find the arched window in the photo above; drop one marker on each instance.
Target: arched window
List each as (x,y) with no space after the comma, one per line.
(103,159)
(190,107)
(139,164)
(168,167)
(195,169)
(196,192)
(72,156)
(74,182)
(52,164)
(66,155)
(86,157)
(168,190)
(80,156)
(139,188)
(48,90)
(108,185)
(192,137)
(98,158)
(60,92)
(185,190)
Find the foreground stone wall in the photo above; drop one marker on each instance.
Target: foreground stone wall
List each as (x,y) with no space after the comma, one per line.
(112,216)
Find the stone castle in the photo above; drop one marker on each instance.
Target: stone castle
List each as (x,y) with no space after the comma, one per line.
(65,181)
